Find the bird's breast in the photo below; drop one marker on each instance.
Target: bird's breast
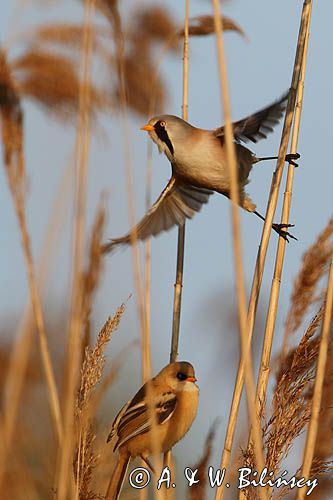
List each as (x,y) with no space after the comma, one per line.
(202,163)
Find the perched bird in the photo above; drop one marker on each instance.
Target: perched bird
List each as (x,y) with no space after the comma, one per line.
(174,399)
(199,167)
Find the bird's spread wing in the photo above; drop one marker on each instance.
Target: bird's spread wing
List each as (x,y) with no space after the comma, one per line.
(135,419)
(178,201)
(257,126)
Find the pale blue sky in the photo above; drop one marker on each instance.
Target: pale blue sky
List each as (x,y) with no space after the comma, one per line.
(259,72)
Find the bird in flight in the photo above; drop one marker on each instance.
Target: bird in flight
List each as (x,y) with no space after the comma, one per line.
(199,168)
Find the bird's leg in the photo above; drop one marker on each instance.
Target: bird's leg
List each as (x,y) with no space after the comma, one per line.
(147,461)
(289,158)
(279,228)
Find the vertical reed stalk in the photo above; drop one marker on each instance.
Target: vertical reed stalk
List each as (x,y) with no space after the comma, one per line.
(178,287)
(240,286)
(260,263)
(177,298)
(318,385)
(276,282)
(75,329)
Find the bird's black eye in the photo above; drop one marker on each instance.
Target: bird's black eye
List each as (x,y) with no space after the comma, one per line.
(181,376)
(162,123)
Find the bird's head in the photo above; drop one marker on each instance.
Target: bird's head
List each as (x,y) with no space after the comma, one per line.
(167,131)
(180,376)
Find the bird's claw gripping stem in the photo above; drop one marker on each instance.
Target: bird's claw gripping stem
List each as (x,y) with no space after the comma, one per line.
(280,229)
(291,157)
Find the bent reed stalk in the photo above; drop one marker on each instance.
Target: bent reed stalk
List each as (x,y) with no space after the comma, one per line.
(261,257)
(239,272)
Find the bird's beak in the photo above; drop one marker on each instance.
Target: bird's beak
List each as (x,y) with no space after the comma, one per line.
(148,128)
(191,379)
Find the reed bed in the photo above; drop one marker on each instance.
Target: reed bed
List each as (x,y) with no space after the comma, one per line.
(68,457)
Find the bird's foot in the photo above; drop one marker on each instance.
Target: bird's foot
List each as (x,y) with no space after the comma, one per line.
(281,230)
(291,157)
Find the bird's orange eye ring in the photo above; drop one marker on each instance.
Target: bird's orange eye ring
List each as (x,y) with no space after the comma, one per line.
(162,123)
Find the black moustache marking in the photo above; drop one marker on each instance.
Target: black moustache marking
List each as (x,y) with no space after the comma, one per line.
(162,134)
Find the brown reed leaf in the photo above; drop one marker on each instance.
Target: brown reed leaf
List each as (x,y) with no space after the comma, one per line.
(204,25)
(52,81)
(197,490)
(315,264)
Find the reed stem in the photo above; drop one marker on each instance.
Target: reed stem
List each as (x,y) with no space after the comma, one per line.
(276,282)
(178,287)
(260,263)
(239,272)
(177,298)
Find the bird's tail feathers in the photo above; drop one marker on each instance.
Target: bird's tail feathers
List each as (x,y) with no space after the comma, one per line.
(117,478)
(111,245)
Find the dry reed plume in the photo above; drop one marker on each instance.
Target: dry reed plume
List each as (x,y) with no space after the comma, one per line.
(305,290)
(292,397)
(91,374)
(291,407)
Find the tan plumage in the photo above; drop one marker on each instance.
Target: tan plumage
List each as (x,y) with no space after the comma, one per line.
(199,168)
(175,402)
